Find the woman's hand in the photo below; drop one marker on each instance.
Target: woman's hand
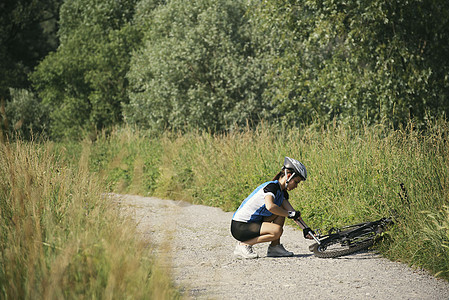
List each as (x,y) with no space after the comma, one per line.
(308,233)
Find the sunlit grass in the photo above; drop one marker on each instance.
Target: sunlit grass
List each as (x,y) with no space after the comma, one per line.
(62,238)
(354,175)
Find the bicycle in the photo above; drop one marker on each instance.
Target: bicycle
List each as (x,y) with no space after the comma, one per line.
(348,239)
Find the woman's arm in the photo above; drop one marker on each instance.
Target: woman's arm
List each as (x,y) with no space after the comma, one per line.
(287,206)
(299,221)
(283,211)
(274,208)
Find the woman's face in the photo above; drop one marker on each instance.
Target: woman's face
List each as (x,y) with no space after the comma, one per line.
(293,183)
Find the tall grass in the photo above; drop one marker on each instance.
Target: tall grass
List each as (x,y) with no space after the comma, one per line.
(62,238)
(354,175)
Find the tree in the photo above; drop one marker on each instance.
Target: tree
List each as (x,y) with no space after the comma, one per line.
(83,83)
(198,68)
(358,60)
(27,34)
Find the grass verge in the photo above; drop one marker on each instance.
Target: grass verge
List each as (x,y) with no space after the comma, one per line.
(62,238)
(354,175)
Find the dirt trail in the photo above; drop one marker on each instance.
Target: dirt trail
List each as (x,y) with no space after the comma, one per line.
(204,267)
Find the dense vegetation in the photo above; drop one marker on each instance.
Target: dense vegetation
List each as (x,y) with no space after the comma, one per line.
(354,175)
(218,64)
(200,100)
(61,237)
(27,33)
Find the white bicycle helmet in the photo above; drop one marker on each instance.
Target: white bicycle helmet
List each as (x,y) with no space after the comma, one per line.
(296,167)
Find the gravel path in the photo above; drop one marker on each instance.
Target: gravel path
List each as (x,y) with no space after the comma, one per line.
(197,243)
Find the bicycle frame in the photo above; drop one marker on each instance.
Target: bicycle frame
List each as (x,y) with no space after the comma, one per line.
(362,229)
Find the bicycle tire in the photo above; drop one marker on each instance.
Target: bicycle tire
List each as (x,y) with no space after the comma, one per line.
(338,245)
(320,252)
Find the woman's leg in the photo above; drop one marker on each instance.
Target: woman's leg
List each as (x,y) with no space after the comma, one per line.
(278,220)
(270,231)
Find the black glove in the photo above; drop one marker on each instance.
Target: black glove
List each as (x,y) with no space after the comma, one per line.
(294,214)
(306,232)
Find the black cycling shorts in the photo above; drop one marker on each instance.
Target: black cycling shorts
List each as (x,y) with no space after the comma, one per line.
(242,231)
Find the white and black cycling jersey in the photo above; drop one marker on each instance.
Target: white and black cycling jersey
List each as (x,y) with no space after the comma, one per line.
(253,207)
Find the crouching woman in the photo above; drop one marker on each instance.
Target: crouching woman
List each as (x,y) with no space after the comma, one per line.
(261,216)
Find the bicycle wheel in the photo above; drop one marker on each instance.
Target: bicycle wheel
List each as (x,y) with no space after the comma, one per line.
(339,245)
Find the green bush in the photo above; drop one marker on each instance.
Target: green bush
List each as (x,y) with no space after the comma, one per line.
(26,114)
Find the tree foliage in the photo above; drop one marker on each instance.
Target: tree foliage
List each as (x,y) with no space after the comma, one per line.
(214,64)
(198,68)
(84,82)
(362,60)
(26,114)
(27,34)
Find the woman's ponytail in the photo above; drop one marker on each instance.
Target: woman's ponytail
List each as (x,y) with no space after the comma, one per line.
(282,174)
(278,175)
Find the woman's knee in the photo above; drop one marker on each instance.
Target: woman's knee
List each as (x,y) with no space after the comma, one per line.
(272,229)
